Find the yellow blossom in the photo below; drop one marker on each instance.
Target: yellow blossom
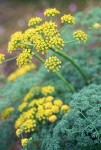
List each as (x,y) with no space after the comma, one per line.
(18,132)
(47,90)
(21,71)
(49,99)
(53,64)
(15,42)
(34,21)
(22,106)
(24,142)
(24,58)
(7,112)
(29,95)
(58,103)
(52,118)
(41,101)
(65,108)
(33,103)
(40,115)
(2,57)
(48,105)
(48,112)
(68,19)
(51,12)
(55,109)
(25,116)
(80,36)
(97,26)
(29,125)
(44,37)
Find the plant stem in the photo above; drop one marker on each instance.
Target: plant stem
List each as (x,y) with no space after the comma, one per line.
(59,75)
(62,54)
(10,59)
(63,28)
(67,83)
(39,58)
(70,41)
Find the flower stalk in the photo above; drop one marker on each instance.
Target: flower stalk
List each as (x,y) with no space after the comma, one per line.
(62,54)
(70,87)
(6,60)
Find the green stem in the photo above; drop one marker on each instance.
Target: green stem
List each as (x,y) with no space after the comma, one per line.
(70,42)
(62,54)
(67,83)
(59,75)
(63,28)
(10,59)
(39,58)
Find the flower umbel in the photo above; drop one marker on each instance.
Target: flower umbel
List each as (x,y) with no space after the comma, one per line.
(21,71)
(14,44)
(24,142)
(65,108)
(51,12)
(47,90)
(34,21)
(67,19)
(53,118)
(7,112)
(24,58)
(80,36)
(53,64)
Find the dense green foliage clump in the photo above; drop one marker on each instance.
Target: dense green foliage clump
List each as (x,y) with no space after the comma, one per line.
(81,128)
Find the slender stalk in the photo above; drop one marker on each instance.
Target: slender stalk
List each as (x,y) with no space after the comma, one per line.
(59,75)
(70,41)
(62,54)
(63,28)
(10,59)
(67,83)
(39,58)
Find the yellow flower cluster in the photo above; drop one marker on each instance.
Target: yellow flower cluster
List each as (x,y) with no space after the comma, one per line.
(21,71)
(67,19)
(47,90)
(53,64)
(29,95)
(2,57)
(25,116)
(51,12)
(24,142)
(49,38)
(7,112)
(97,26)
(42,109)
(58,103)
(29,125)
(15,42)
(80,36)
(22,106)
(19,132)
(64,108)
(53,118)
(34,21)
(24,58)
(29,33)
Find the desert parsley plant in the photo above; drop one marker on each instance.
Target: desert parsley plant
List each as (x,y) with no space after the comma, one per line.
(43,37)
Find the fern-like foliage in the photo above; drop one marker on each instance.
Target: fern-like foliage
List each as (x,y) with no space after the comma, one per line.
(81,128)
